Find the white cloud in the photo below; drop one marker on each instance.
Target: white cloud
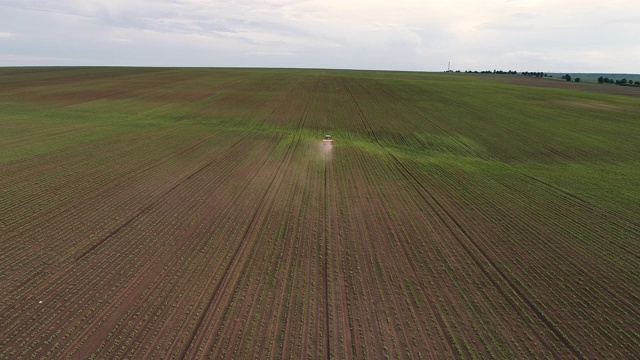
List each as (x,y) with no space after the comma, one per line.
(13,60)
(270,53)
(392,34)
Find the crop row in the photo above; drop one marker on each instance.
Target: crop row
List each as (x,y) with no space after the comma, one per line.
(215,225)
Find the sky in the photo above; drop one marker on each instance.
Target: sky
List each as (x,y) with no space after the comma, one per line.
(597,36)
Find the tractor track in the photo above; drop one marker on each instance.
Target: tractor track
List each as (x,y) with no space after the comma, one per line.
(201,222)
(439,209)
(224,279)
(326,261)
(634,226)
(196,273)
(149,206)
(425,292)
(446,220)
(110,185)
(572,260)
(233,264)
(100,194)
(66,269)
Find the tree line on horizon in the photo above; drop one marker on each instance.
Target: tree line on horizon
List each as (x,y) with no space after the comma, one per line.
(623,81)
(567,77)
(508,72)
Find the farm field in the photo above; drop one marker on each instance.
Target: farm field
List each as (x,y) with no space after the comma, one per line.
(193,213)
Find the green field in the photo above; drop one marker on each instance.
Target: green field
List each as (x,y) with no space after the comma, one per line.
(193,212)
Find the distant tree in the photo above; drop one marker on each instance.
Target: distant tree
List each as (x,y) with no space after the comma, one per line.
(536,74)
(623,82)
(567,77)
(600,80)
(636,83)
(576,79)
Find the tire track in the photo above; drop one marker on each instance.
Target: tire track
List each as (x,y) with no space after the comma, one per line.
(197,272)
(66,269)
(423,116)
(110,185)
(348,343)
(601,213)
(326,261)
(287,157)
(231,265)
(594,209)
(436,314)
(421,190)
(85,205)
(148,207)
(240,249)
(439,209)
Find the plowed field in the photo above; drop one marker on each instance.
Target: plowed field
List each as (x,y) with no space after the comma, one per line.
(194,213)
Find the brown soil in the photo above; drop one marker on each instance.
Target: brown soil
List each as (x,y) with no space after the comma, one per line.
(561,84)
(253,241)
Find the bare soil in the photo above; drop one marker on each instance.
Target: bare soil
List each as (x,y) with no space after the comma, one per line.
(234,233)
(561,84)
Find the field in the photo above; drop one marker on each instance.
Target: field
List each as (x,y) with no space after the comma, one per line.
(193,213)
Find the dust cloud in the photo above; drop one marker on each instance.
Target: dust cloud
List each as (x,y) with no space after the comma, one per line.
(325,151)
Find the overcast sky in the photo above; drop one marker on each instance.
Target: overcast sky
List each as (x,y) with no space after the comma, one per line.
(421,35)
